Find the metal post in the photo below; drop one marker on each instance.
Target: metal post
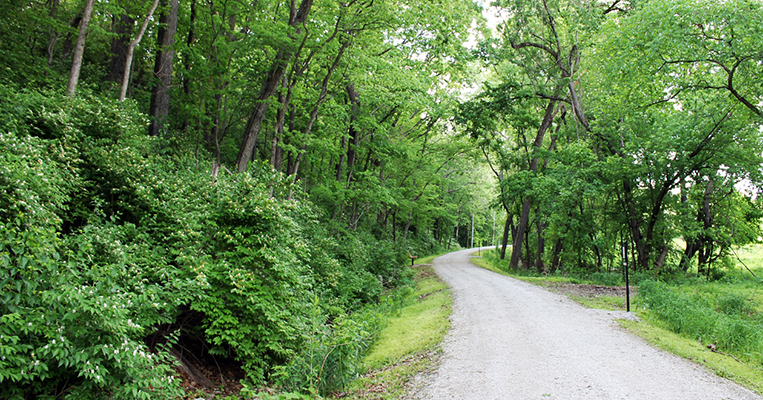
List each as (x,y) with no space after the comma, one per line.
(627,285)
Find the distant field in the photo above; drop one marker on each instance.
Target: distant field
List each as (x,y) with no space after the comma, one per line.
(752,256)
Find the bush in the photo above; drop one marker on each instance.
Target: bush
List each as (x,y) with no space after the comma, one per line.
(104,241)
(76,307)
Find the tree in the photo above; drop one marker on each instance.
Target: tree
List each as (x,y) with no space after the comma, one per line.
(71,87)
(297,16)
(669,124)
(131,49)
(542,44)
(165,54)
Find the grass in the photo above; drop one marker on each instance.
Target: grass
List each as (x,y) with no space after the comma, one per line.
(409,343)
(722,365)
(429,259)
(609,303)
(419,325)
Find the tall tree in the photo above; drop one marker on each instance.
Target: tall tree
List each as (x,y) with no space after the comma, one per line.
(543,42)
(79,50)
(131,50)
(297,16)
(165,55)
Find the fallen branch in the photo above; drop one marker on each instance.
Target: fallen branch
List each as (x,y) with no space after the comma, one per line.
(714,348)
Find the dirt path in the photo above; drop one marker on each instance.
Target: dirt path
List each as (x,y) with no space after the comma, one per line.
(513,340)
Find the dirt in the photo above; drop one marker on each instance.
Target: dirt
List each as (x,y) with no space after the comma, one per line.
(589,291)
(514,340)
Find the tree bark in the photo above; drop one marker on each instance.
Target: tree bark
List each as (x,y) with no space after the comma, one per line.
(506,229)
(131,49)
(79,50)
(160,95)
(119,45)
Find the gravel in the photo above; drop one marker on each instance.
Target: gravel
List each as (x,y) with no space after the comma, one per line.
(513,340)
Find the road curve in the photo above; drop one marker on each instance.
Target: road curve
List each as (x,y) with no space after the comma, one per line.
(513,340)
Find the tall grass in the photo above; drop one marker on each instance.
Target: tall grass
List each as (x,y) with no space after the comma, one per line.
(728,318)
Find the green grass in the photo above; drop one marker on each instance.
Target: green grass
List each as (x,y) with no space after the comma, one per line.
(722,365)
(483,262)
(419,326)
(429,259)
(752,256)
(609,303)
(409,343)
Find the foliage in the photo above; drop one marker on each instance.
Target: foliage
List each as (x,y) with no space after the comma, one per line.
(107,240)
(76,306)
(727,319)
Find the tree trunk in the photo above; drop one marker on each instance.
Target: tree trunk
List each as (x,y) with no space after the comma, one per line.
(642,252)
(53,34)
(275,145)
(541,244)
(79,50)
(352,146)
(526,259)
(340,162)
(661,258)
(131,49)
(556,258)
(407,226)
(274,76)
(524,217)
(699,243)
(160,95)
(119,45)
(506,229)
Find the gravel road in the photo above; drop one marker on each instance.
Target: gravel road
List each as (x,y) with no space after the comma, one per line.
(513,340)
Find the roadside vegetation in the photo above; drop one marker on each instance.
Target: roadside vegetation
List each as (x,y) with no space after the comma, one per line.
(409,344)
(131,273)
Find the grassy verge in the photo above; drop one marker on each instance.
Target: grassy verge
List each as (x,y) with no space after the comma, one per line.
(409,343)
(720,364)
(609,303)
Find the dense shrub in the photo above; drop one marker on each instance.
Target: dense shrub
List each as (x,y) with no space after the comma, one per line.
(75,307)
(105,240)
